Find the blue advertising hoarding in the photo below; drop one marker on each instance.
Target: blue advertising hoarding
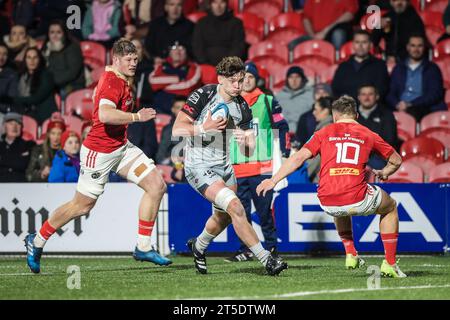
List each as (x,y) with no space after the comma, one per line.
(303,227)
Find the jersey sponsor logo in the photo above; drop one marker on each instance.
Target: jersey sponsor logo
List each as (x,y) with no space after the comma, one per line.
(194,97)
(95,175)
(344,172)
(188,108)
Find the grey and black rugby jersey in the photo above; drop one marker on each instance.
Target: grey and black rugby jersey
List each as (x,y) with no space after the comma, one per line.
(211,149)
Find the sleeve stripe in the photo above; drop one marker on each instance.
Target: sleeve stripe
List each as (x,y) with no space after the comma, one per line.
(107,102)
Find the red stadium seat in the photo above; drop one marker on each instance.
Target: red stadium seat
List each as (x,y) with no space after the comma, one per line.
(407,173)
(30,128)
(253,25)
(438,119)
(72,122)
(286,27)
(166,172)
(94,54)
(196,16)
(435,5)
(264,74)
(161,121)
(434,27)
(423,152)
(444,65)
(406,125)
(441,134)
(269,48)
(80,103)
(266,9)
(447,96)
(95,76)
(234,5)
(440,173)
(320,50)
(209,75)
(189,6)
(442,50)
(327,75)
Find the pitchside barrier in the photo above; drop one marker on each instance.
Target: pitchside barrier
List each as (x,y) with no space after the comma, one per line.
(424,211)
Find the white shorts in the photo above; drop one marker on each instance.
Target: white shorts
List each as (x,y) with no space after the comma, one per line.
(366,207)
(96,166)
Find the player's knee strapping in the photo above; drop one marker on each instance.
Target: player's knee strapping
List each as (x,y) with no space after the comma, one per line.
(223,198)
(141,167)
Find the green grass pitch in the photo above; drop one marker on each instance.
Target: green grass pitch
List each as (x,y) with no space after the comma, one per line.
(306,278)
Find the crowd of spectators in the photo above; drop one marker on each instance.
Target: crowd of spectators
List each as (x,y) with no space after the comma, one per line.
(40,57)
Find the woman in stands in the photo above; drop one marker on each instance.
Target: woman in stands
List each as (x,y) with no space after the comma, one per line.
(18,41)
(36,87)
(64,59)
(66,164)
(43,154)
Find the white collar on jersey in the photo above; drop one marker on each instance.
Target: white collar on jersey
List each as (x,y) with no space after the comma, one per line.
(128,80)
(347,121)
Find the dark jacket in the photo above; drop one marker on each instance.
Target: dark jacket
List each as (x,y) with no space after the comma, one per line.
(8,88)
(23,13)
(41,103)
(14,159)
(402,26)
(143,136)
(432,87)
(161,35)
(62,169)
(144,91)
(382,122)
(305,128)
(218,37)
(166,144)
(67,67)
(38,161)
(348,79)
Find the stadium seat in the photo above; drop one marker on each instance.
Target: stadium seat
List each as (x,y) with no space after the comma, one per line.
(268,48)
(440,173)
(161,121)
(435,5)
(209,75)
(266,9)
(264,74)
(253,25)
(441,134)
(447,96)
(440,119)
(30,128)
(423,152)
(196,16)
(286,27)
(235,5)
(407,173)
(442,50)
(190,6)
(406,125)
(321,51)
(80,103)
(444,65)
(94,54)
(166,172)
(95,76)
(327,75)
(434,27)
(72,122)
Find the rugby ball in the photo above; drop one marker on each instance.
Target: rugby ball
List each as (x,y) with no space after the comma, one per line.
(220,111)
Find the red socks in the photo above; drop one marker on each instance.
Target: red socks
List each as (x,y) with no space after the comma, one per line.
(146,227)
(46,231)
(390,246)
(347,240)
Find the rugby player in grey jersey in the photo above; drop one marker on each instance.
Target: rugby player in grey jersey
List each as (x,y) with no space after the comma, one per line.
(207,167)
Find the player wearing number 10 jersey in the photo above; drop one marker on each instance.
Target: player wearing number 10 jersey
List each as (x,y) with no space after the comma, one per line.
(345,147)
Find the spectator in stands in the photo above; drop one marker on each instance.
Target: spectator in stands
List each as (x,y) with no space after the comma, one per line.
(138,14)
(397,25)
(177,76)
(377,118)
(101,22)
(143,135)
(85,128)
(307,122)
(8,81)
(168,142)
(36,87)
(446,22)
(329,20)
(218,35)
(168,29)
(296,97)
(66,163)
(361,68)
(416,83)
(18,41)
(144,93)
(23,13)
(14,151)
(323,116)
(42,154)
(64,59)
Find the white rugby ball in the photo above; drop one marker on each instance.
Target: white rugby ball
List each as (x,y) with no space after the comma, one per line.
(220,111)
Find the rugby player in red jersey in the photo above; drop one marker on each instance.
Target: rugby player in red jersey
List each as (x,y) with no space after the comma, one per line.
(345,147)
(107,149)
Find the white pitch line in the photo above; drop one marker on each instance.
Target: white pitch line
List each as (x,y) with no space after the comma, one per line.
(24,274)
(311,293)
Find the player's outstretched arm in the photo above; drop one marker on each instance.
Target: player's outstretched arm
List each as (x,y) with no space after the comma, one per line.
(393,164)
(184,125)
(289,166)
(110,115)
